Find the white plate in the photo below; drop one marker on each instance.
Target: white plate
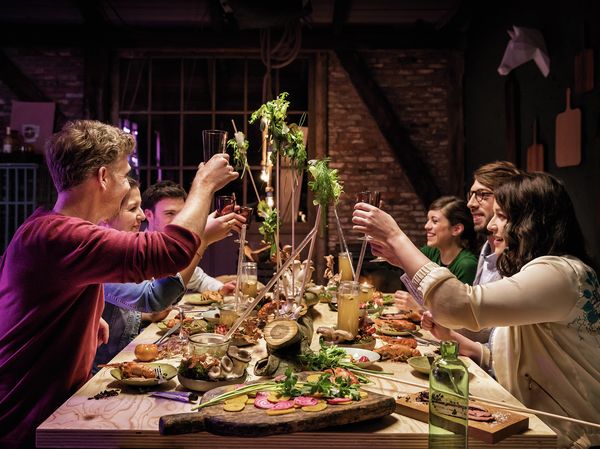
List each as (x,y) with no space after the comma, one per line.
(168,372)
(205,385)
(196,299)
(357,353)
(388,330)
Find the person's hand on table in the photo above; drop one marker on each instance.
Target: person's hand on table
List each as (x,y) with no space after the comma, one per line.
(405,301)
(155,317)
(438,331)
(228,288)
(103,333)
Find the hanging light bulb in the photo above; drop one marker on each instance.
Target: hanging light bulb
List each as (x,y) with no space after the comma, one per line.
(269,198)
(264,174)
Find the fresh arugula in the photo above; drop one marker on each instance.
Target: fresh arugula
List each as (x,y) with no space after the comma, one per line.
(290,386)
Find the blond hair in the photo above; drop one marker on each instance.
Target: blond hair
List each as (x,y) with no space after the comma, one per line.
(81,147)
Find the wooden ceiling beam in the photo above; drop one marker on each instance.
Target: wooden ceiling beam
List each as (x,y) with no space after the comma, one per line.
(416,171)
(317,38)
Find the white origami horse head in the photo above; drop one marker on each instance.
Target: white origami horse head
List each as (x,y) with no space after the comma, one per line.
(525,44)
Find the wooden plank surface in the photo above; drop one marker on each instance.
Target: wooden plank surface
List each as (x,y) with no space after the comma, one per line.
(506,424)
(131,419)
(253,421)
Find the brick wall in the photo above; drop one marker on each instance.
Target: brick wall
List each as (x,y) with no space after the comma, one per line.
(58,73)
(416,84)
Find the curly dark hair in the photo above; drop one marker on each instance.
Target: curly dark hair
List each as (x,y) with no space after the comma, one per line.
(160,191)
(541,221)
(456,211)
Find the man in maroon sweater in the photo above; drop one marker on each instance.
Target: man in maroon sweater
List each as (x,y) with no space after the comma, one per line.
(51,275)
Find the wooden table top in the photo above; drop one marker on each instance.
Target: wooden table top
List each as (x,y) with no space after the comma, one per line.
(130,420)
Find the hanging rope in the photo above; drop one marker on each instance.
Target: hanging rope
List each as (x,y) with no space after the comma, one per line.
(282,54)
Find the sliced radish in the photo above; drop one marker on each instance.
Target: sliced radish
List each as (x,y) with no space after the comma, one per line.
(303,401)
(262,402)
(283,405)
(339,400)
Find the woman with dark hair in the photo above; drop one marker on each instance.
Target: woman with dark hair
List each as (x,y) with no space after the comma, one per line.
(451,243)
(451,238)
(546,345)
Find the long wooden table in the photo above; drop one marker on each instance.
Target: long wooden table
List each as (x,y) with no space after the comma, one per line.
(130,420)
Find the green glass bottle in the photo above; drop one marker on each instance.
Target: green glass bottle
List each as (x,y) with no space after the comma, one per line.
(448,400)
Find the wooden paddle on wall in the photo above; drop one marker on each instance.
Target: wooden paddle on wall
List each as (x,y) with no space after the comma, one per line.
(568,136)
(535,153)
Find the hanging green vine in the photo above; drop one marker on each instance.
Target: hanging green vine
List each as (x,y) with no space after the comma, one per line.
(239,144)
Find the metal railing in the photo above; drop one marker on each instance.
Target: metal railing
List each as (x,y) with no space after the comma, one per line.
(18,197)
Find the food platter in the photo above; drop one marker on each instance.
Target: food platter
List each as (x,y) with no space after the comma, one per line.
(199,299)
(357,354)
(388,330)
(205,385)
(191,327)
(168,372)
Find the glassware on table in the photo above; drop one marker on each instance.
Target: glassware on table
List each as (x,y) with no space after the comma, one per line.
(248,285)
(208,343)
(448,399)
(366,292)
(345,267)
(224,204)
(213,141)
(348,305)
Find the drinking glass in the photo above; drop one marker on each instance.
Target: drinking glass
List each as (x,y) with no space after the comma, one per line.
(213,141)
(348,304)
(224,204)
(345,267)
(245,212)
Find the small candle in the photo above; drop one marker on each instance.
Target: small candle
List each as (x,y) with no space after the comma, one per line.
(366,292)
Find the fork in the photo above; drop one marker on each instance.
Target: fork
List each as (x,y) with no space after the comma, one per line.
(167,334)
(159,375)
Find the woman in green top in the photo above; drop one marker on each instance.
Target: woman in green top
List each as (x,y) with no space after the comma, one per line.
(451,243)
(451,239)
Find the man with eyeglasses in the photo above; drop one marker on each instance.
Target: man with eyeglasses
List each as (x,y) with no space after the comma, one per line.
(480,200)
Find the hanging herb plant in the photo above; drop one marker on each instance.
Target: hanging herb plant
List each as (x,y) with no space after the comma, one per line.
(288,140)
(239,144)
(268,227)
(325,185)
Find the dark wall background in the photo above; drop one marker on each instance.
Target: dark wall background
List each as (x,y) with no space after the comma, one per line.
(563,27)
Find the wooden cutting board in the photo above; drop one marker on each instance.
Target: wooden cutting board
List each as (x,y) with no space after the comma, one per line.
(535,153)
(253,422)
(568,136)
(507,423)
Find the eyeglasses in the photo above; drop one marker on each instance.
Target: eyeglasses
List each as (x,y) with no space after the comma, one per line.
(480,195)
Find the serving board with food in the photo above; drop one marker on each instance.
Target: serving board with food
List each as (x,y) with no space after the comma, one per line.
(486,423)
(268,413)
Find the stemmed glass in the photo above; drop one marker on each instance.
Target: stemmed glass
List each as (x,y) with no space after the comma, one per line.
(373,198)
